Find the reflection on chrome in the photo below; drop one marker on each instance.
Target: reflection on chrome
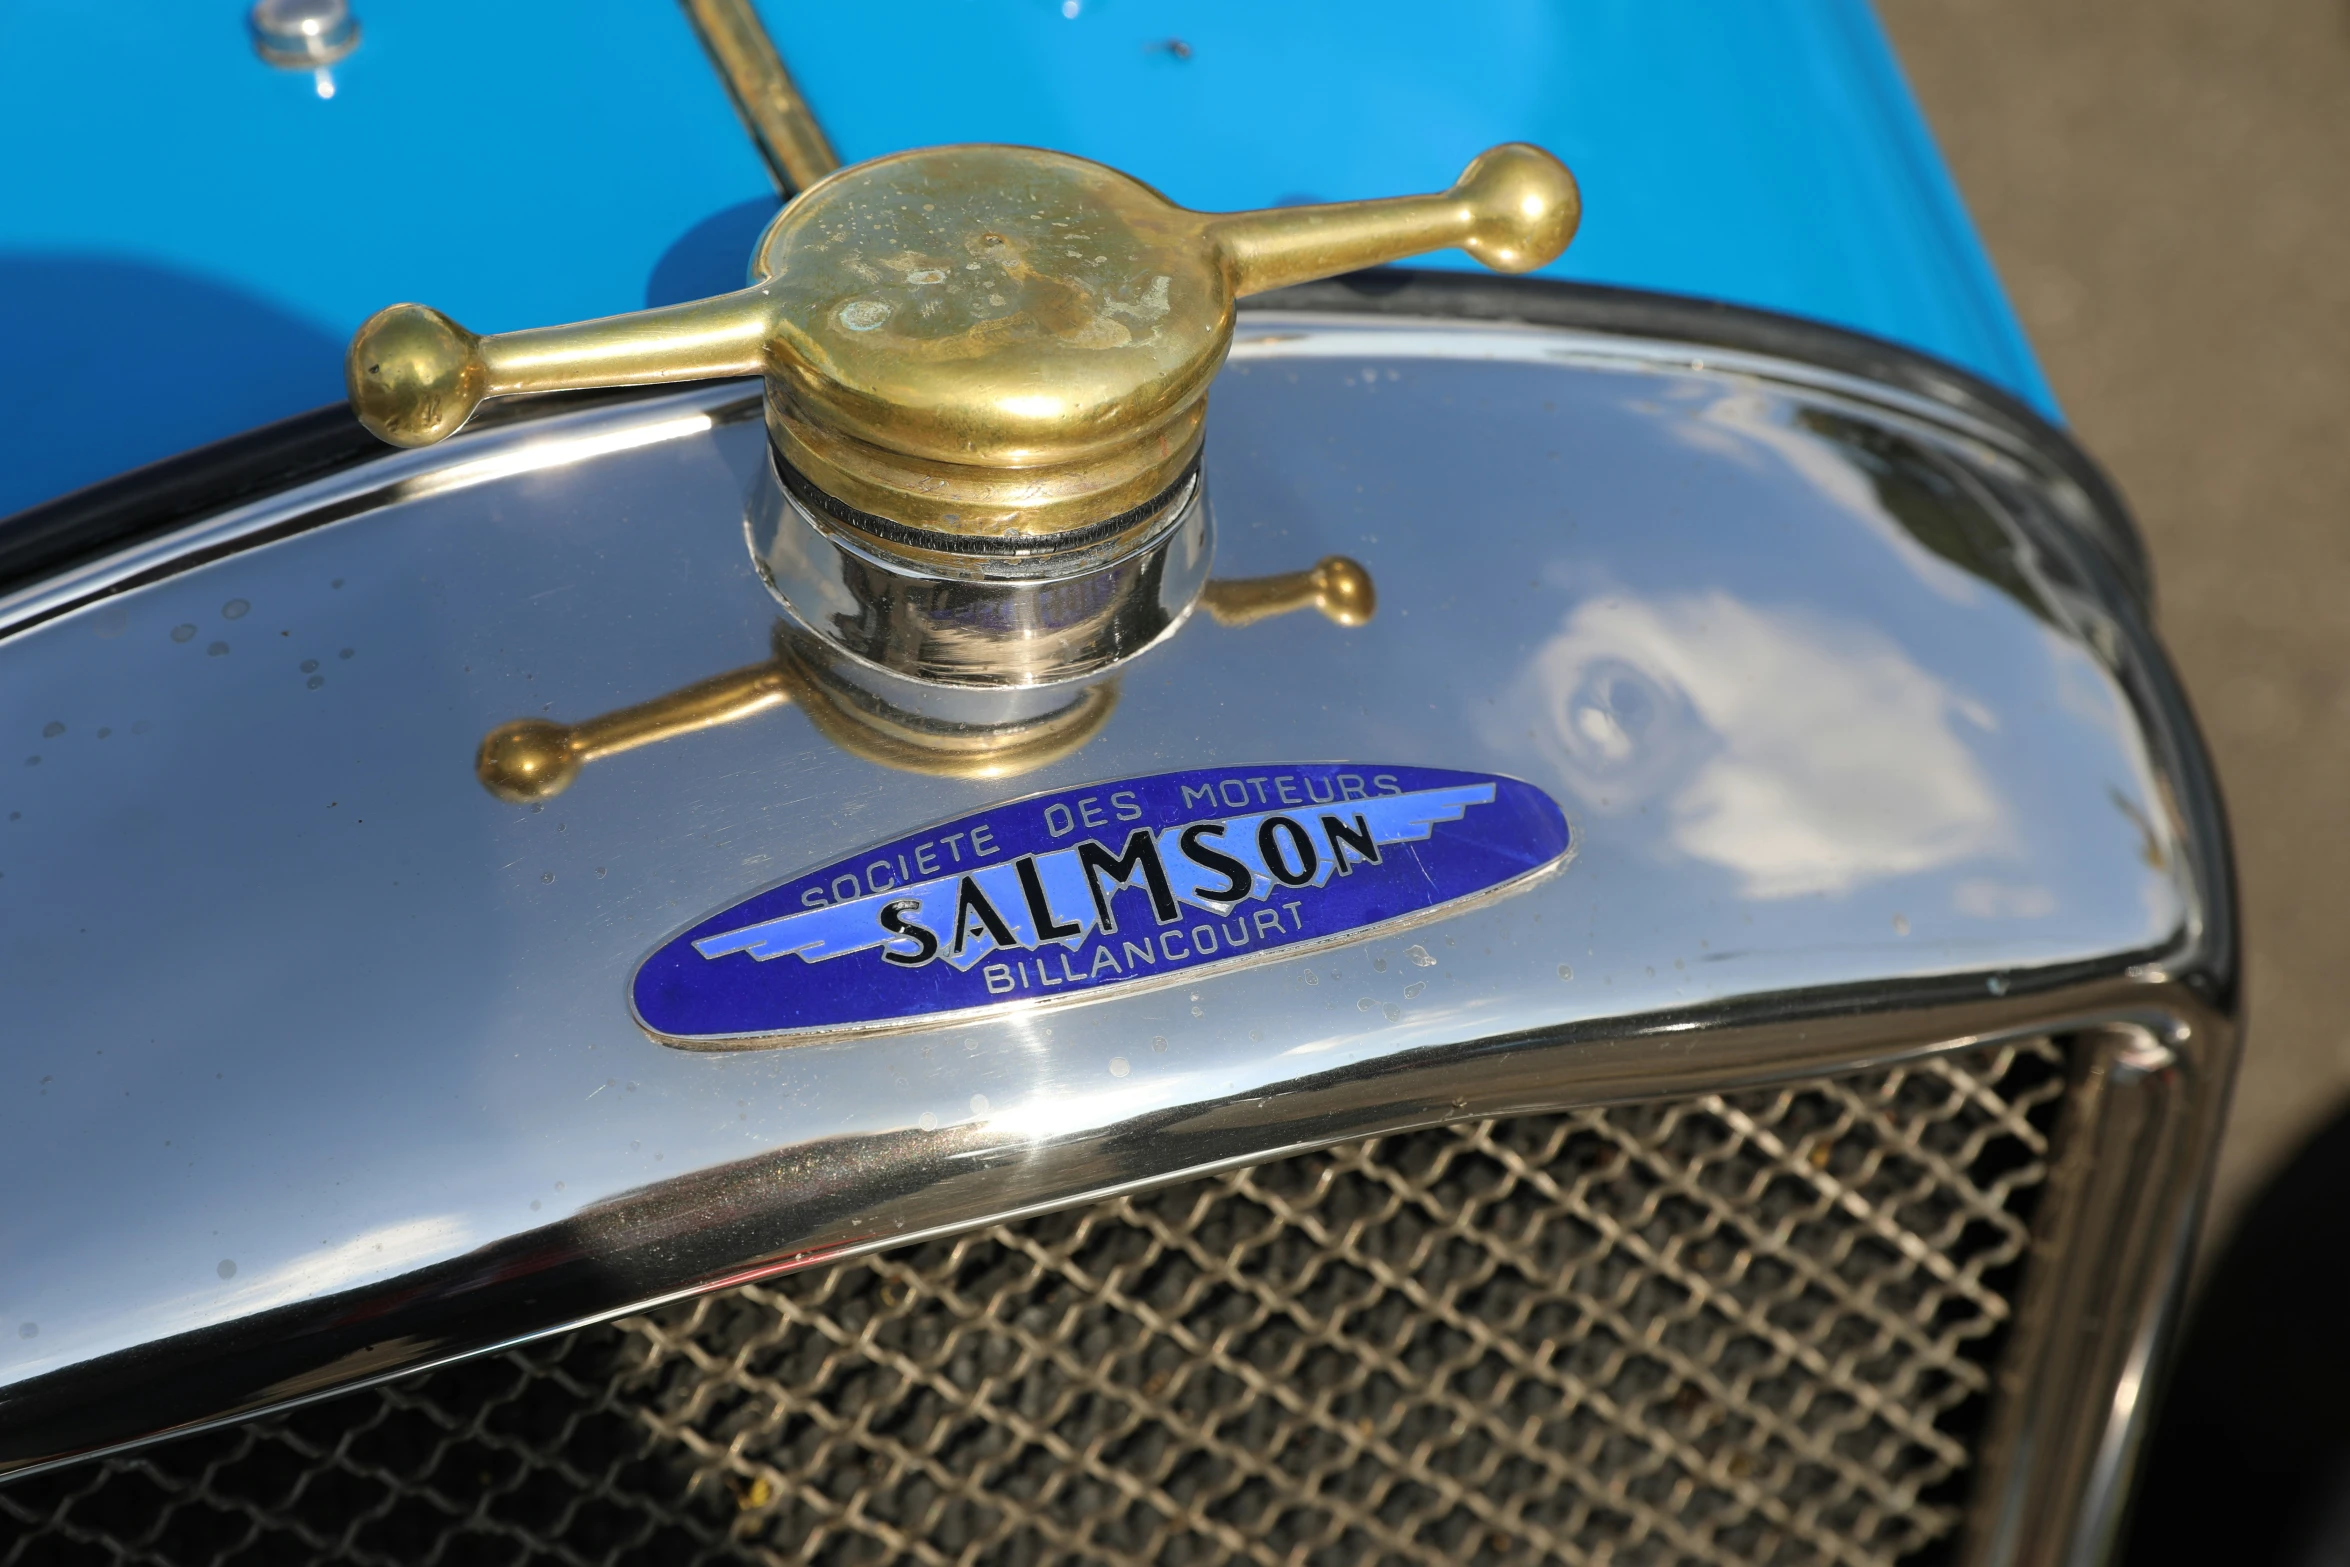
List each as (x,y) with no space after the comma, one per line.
(385,1251)
(1934,513)
(1987,899)
(241,1285)
(1805,755)
(538,456)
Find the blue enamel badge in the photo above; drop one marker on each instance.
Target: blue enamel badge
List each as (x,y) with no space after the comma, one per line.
(1090,890)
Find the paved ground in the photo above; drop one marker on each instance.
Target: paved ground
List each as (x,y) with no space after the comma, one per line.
(2165,186)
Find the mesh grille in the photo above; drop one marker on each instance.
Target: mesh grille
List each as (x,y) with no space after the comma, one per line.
(1744,1328)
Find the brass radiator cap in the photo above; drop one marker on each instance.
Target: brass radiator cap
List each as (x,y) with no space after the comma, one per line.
(975,340)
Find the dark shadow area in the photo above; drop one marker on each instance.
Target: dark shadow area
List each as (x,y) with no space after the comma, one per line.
(2250,1458)
(1928,499)
(712,257)
(107,364)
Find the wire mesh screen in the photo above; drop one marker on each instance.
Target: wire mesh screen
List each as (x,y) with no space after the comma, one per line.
(1742,1328)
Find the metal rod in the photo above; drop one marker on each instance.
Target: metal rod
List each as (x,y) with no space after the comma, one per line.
(781,124)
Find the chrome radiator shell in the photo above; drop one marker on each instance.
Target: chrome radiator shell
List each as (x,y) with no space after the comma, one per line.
(1608,489)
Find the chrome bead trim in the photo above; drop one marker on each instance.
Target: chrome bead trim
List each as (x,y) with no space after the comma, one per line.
(551,438)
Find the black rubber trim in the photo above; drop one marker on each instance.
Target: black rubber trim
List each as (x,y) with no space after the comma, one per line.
(1625,312)
(150,501)
(907,536)
(146,503)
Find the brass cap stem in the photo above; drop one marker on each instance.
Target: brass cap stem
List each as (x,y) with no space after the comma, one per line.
(1514,209)
(696,341)
(415,376)
(1338,587)
(536,758)
(721,699)
(781,124)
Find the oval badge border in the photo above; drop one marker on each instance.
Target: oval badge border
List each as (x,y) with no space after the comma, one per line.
(1025,1006)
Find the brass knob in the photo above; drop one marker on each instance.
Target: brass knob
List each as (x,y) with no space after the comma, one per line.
(1340,588)
(972,340)
(529,760)
(534,759)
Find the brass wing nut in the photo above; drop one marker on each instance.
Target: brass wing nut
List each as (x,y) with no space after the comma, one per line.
(976,340)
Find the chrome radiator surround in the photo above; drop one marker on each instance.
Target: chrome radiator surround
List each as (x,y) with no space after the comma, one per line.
(2142,982)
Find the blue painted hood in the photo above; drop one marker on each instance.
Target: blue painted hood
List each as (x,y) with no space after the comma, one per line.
(189,236)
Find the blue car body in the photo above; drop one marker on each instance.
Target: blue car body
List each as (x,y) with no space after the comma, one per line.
(191,236)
